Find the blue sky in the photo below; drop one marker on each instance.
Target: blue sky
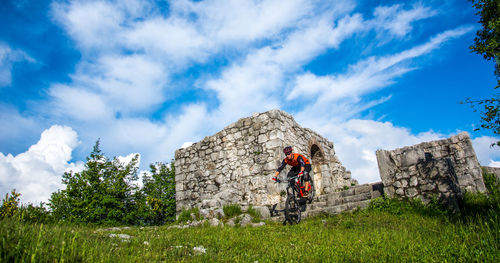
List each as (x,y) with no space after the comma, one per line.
(148,76)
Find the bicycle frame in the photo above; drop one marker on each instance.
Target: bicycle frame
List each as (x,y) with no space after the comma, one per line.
(294,183)
(294,194)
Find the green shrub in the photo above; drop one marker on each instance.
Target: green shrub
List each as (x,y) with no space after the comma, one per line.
(482,205)
(231,210)
(185,215)
(491,182)
(9,204)
(254,214)
(34,214)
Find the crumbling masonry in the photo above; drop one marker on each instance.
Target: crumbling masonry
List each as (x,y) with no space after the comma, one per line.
(235,166)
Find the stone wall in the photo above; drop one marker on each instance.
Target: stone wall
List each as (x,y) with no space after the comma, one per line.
(236,164)
(444,169)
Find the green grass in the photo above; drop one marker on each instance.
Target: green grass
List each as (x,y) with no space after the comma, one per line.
(374,235)
(388,230)
(231,210)
(187,215)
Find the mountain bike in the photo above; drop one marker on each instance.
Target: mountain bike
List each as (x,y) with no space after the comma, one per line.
(296,201)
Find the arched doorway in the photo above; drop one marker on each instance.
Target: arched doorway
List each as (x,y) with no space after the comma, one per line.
(317,159)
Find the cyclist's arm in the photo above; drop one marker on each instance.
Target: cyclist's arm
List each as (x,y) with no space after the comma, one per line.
(282,166)
(302,163)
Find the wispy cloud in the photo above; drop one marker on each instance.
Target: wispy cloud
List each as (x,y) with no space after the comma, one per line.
(8,57)
(363,77)
(397,21)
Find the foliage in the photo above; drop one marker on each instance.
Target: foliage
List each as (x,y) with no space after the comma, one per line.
(231,210)
(159,189)
(254,214)
(487,38)
(482,205)
(491,182)
(189,214)
(490,114)
(9,204)
(34,214)
(486,43)
(102,193)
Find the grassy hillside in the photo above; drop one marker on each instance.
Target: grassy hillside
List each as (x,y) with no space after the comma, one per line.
(388,232)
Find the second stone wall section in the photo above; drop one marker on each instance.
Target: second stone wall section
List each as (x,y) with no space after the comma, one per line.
(444,169)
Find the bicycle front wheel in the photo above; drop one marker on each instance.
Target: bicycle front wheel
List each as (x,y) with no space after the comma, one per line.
(292,210)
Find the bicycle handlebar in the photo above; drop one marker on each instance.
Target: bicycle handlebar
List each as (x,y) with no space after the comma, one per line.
(277,180)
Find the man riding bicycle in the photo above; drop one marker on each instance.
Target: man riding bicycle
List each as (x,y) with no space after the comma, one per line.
(300,165)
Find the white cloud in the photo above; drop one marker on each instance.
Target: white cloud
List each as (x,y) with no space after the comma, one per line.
(186,144)
(339,95)
(356,142)
(125,160)
(131,53)
(91,23)
(79,103)
(175,39)
(8,57)
(494,164)
(130,83)
(37,172)
(397,21)
(486,154)
(229,21)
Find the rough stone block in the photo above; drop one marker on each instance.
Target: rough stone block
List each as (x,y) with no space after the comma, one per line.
(362,189)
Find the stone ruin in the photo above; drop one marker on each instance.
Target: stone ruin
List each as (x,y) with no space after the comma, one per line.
(235,165)
(444,169)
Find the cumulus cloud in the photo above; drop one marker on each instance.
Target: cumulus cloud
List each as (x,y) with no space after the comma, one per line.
(37,172)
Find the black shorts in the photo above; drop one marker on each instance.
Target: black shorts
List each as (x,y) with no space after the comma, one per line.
(296,170)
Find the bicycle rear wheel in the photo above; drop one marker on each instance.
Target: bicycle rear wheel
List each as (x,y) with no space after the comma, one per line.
(292,210)
(312,192)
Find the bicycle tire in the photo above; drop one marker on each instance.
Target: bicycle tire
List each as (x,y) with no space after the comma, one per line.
(292,210)
(312,192)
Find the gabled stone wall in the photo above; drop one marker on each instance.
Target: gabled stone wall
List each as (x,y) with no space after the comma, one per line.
(236,164)
(444,169)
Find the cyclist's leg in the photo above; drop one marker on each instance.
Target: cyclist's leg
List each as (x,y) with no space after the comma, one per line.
(307,178)
(293,171)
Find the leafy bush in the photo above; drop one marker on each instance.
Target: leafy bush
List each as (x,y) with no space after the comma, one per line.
(34,214)
(231,210)
(9,204)
(188,214)
(159,190)
(476,205)
(491,182)
(103,193)
(254,214)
